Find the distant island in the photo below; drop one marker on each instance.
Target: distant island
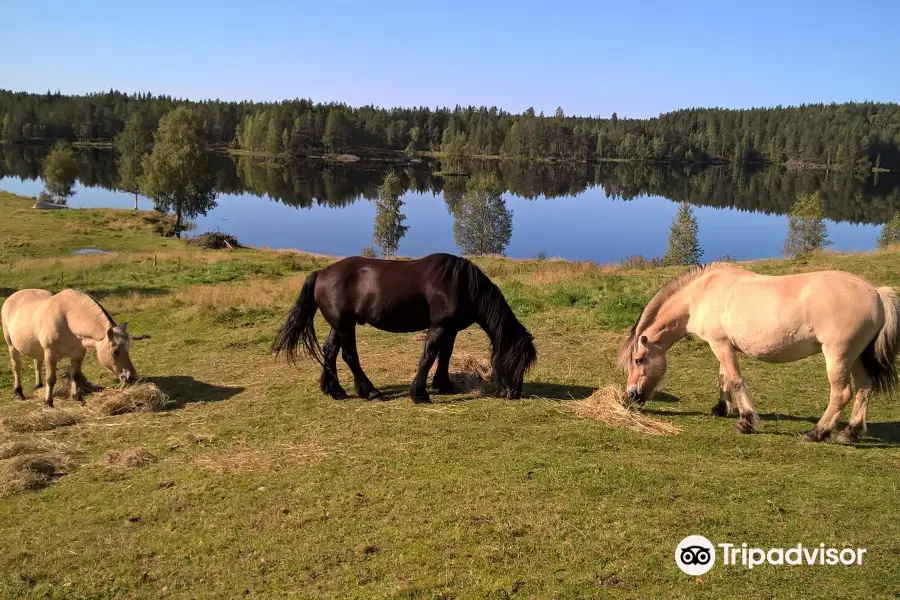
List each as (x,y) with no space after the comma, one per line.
(856,137)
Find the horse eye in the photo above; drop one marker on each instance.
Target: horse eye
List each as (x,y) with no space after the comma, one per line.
(639,361)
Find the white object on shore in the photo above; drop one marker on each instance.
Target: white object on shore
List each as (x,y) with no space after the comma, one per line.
(48,205)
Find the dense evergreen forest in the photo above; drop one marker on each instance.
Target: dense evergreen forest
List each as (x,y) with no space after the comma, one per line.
(853,137)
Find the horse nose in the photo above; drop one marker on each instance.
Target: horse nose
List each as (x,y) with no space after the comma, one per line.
(632,394)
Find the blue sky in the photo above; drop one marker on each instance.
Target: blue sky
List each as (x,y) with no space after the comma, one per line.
(635,58)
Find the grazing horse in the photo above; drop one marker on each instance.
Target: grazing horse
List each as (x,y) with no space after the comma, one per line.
(441,293)
(49,328)
(776,319)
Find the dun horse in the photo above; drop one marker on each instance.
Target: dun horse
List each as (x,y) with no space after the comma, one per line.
(49,328)
(441,293)
(776,319)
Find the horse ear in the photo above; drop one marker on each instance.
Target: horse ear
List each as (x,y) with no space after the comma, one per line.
(644,340)
(124,326)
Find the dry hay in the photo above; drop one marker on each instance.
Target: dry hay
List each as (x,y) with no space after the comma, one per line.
(139,397)
(470,374)
(32,464)
(43,419)
(609,405)
(133,458)
(243,457)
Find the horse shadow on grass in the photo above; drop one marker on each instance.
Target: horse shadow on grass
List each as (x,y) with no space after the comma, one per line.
(878,435)
(464,391)
(183,390)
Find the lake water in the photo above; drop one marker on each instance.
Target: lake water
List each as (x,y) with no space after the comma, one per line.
(603,213)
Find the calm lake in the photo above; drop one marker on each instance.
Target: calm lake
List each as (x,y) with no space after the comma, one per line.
(603,213)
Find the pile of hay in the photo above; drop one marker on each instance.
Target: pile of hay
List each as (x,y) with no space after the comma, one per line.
(610,406)
(215,240)
(43,419)
(32,464)
(140,397)
(470,374)
(134,458)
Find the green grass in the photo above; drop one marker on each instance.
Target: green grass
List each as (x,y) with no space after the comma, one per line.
(264,488)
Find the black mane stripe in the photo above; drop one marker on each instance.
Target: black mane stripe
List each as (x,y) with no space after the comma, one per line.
(100,306)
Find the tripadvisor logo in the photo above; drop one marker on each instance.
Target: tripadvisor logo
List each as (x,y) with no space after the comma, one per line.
(696,555)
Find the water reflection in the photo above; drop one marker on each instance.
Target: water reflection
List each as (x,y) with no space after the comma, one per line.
(483,222)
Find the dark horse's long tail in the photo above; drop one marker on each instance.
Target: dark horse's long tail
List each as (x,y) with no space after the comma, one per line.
(299,326)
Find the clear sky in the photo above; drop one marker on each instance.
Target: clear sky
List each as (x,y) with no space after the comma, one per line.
(636,58)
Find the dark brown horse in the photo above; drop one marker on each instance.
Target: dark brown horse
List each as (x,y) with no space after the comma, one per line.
(441,293)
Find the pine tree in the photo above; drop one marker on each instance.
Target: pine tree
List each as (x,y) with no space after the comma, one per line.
(273,137)
(807,231)
(684,247)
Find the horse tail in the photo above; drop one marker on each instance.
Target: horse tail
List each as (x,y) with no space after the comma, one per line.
(299,326)
(879,356)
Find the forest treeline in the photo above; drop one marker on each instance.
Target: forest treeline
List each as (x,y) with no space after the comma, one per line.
(853,137)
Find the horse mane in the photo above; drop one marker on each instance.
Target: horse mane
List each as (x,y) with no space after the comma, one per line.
(648,314)
(120,338)
(511,344)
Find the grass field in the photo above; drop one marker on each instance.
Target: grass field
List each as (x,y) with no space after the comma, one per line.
(252,484)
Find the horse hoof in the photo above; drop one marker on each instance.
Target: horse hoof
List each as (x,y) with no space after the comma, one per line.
(848,436)
(421,399)
(744,426)
(719,410)
(816,435)
(445,388)
(375,395)
(19,395)
(38,386)
(339,395)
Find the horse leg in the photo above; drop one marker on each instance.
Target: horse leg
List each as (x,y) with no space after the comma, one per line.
(724,406)
(15,363)
(328,382)
(364,387)
(429,354)
(735,387)
(50,381)
(839,378)
(38,374)
(441,380)
(79,384)
(857,425)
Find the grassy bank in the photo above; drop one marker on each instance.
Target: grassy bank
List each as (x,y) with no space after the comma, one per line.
(258,486)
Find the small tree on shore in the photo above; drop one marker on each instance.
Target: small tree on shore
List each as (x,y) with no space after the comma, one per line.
(890,233)
(483,224)
(176,173)
(684,247)
(807,231)
(389,227)
(132,145)
(59,172)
